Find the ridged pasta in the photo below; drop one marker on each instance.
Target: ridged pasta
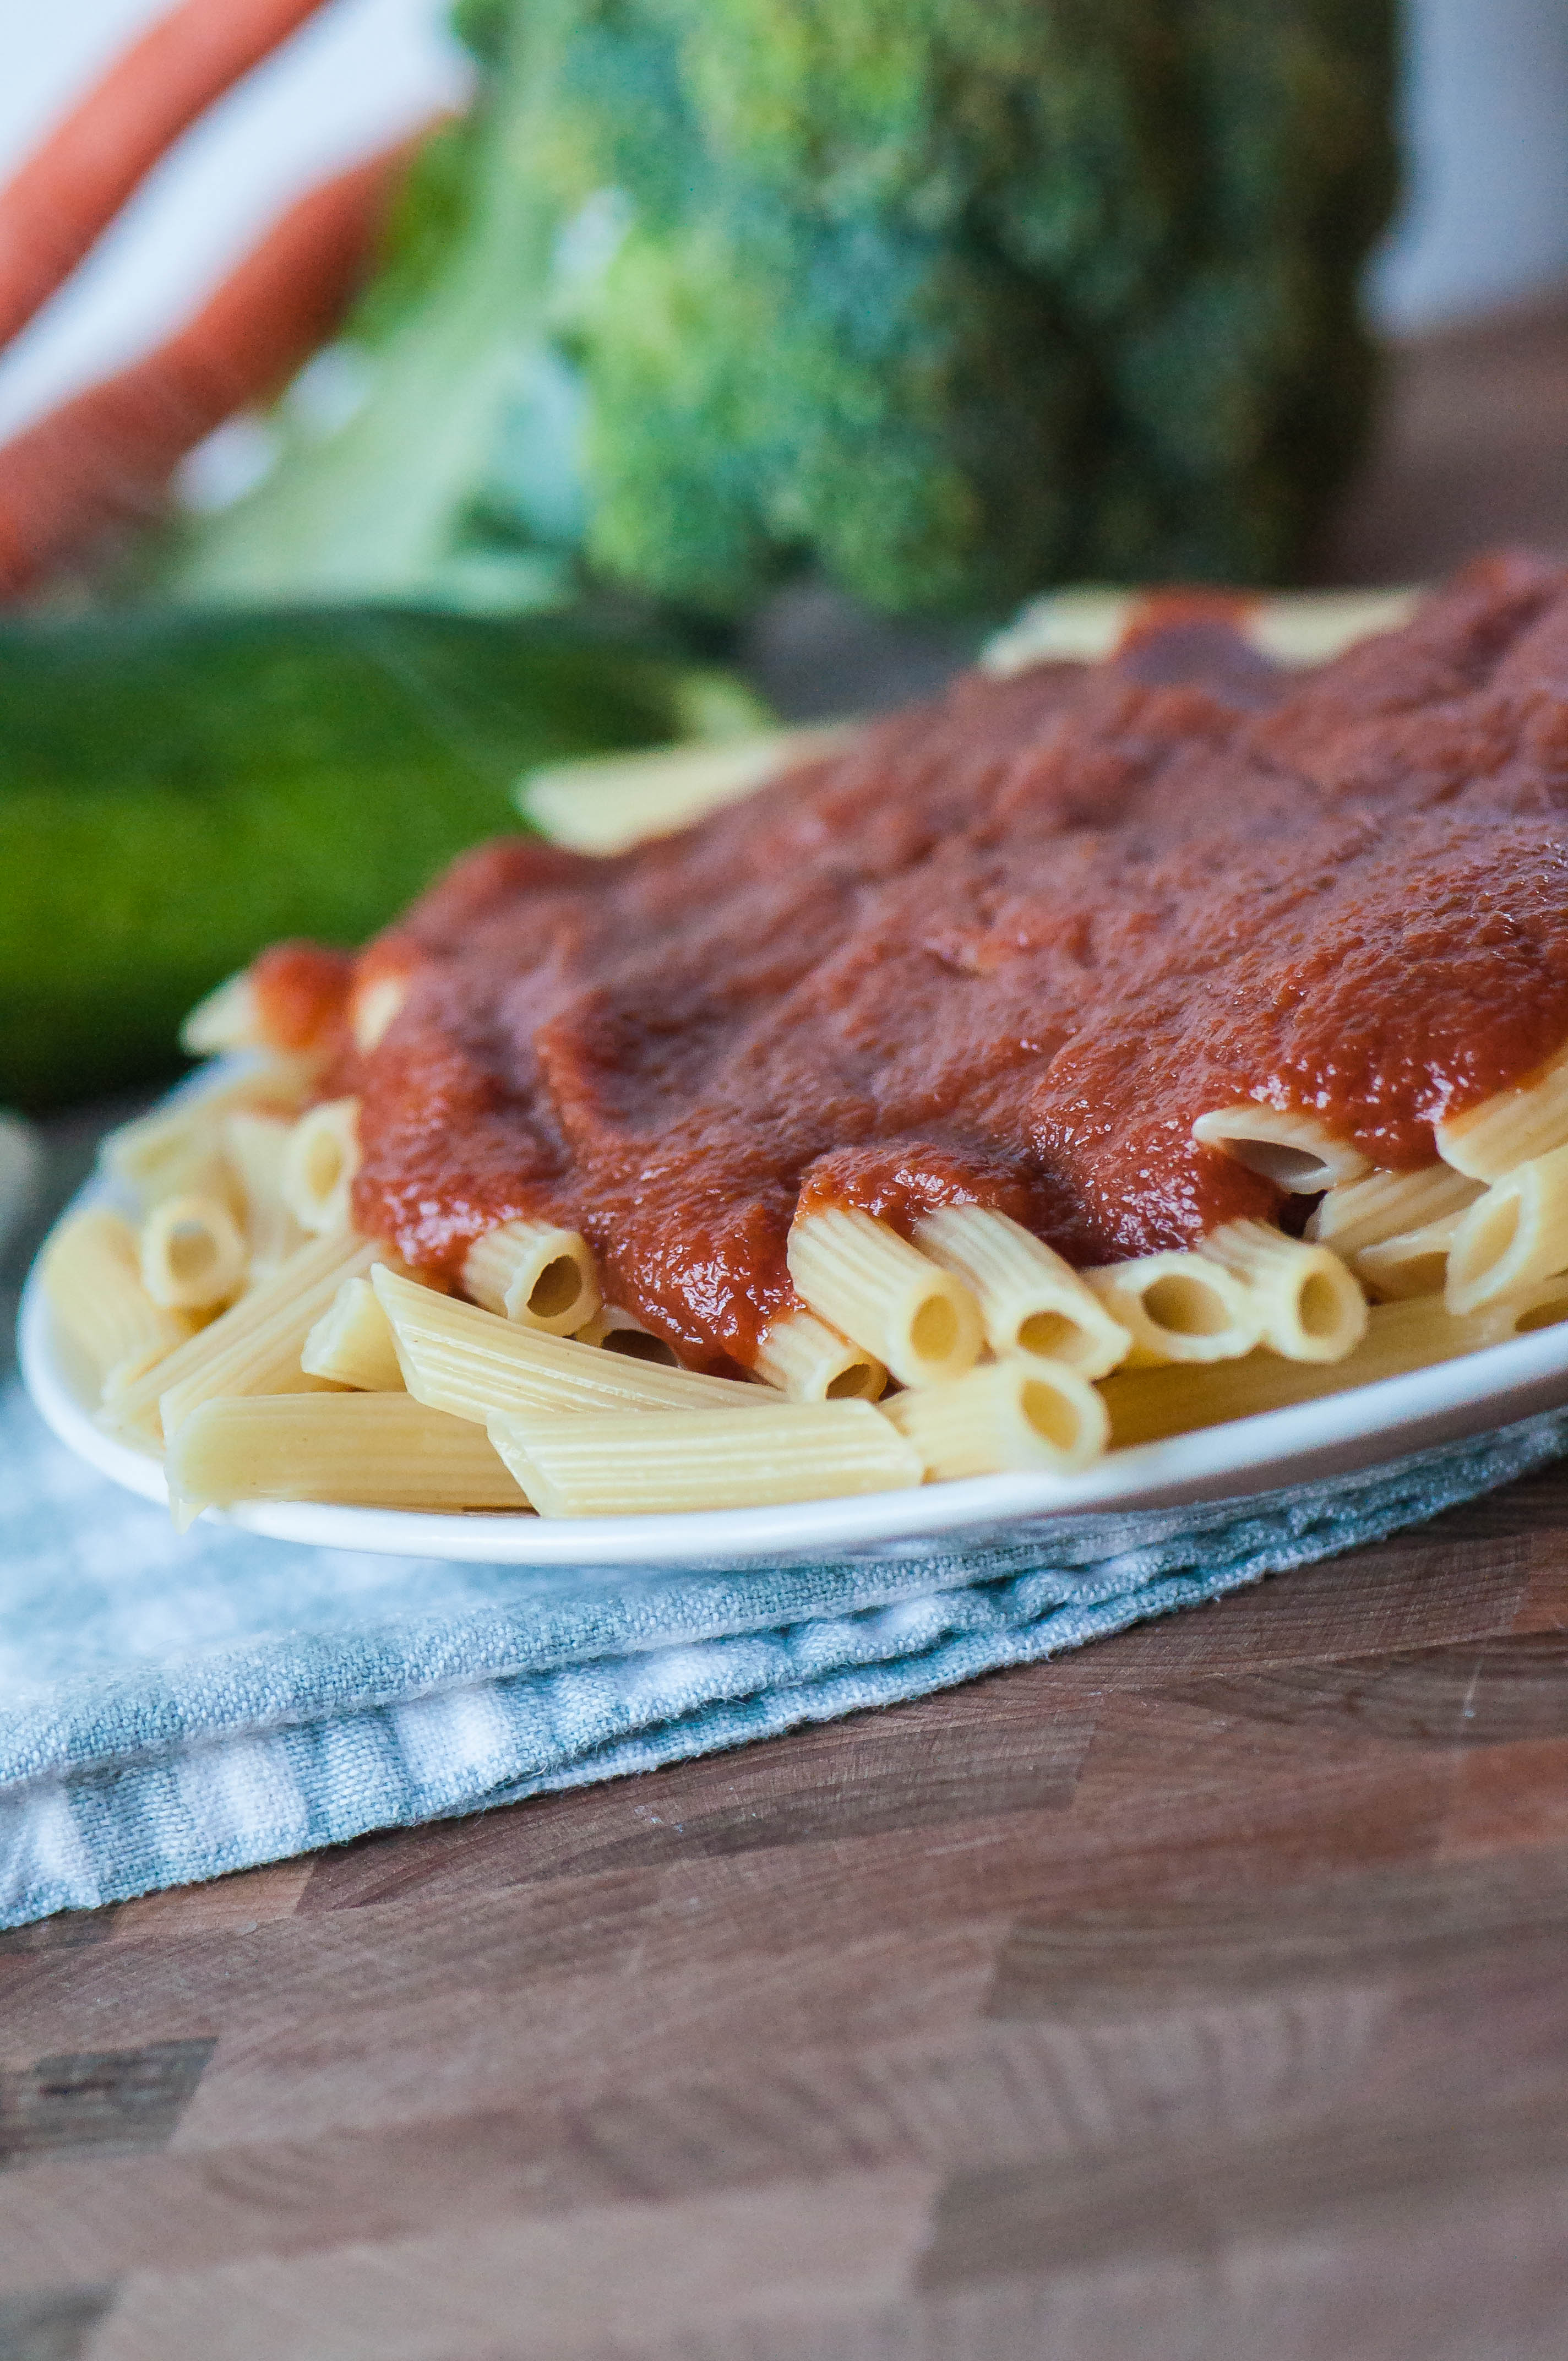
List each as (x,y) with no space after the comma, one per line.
(352,1344)
(1514,1234)
(861,1277)
(808,1361)
(1296,1151)
(1309,1306)
(1030,1299)
(470,1362)
(254,1147)
(1020,1415)
(373,1450)
(192,1254)
(92,1277)
(624,1465)
(1178,1307)
(1413,1262)
(1510,1129)
(1386,1205)
(534,1272)
(319,1165)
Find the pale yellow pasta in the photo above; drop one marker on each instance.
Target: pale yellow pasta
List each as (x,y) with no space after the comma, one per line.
(1145,1405)
(192,1254)
(619,1331)
(533,1272)
(470,1362)
(1030,1299)
(1296,1151)
(1308,627)
(1511,1127)
(808,1361)
(1386,1205)
(319,1165)
(253,1347)
(351,1344)
(1413,1262)
(1013,1416)
(610,801)
(619,1463)
(255,1146)
(1178,1307)
(167,1155)
(1514,1234)
(372,1450)
(861,1277)
(91,1277)
(229,1018)
(1077,626)
(372,1004)
(1309,1305)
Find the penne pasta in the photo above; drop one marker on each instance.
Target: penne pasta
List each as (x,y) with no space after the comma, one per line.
(253,1347)
(1030,1299)
(1386,1205)
(808,1361)
(1296,1151)
(1178,1307)
(1512,1128)
(372,1004)
(91,1277)
(861,1277)
(254,1147)
(1145,1405)
(621,1332)
(1309,1306)
(1512,1236)
(1414,1262)
(1014,1416)
(373,1450)
(319,1165)
(226,1020)
(168,1155)
(192,1254)
(617,1463)
(535,1273)
(459,1358)
(609,802)
(351,1344)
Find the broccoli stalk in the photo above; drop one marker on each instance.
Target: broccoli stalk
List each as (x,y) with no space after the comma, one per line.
(948,298)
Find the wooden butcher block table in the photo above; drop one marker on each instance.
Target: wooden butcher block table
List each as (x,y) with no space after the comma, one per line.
(1204,1994)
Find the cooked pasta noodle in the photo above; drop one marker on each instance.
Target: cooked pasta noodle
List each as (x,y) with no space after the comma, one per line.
(1018,1415)
(1515,1234)
(351,1344)
(1386,1205)
(1413,1262)
(1295,1151)
(808,1361)
(621,1463)
(1309,1306)
(1030,1299)
(192,1254)
(861,1277)
(320,1163)
(1512,1128)
(536,1273)
(92,1275)
(1178,1307)
(373,1450)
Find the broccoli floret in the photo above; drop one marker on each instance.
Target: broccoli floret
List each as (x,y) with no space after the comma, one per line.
(947,298)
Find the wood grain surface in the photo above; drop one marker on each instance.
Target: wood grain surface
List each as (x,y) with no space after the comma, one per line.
(1202,1997)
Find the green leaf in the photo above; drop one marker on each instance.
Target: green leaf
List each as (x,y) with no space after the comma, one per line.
(177,790)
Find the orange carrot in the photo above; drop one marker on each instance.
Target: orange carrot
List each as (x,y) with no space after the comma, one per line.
(103,459)
(72,185)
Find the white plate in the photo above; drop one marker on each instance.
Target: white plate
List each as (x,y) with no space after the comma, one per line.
(1313,1442)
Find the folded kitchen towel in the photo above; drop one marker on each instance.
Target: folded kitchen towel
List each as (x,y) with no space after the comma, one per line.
(172,1708)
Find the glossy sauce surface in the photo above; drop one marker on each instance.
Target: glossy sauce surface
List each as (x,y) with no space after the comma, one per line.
(1005,948)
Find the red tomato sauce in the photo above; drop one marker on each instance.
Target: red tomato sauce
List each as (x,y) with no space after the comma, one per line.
(1005,948)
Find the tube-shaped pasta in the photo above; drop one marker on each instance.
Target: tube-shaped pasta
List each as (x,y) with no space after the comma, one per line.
(1512,1128)
(611,801)
(1296,1151)
(621,1332)
(1030,1299)
(1515,1234)
(459,1358)
(861,1277)
(170,1154)
(192,1254)
(253,1347)
(1148,1404)
(808,1361)
(1178,1307)
(1309,1306)
(351,1344)
(1387,1206)
(255,1146)
(375,1450)
(320,1163)
(623,1464)
(1412,1262)
(1016,1415)
(227,1019)
(372,1004)
(536,1273)
(91,1277)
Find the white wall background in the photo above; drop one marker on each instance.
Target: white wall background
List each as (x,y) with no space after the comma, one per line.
(1485,217)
